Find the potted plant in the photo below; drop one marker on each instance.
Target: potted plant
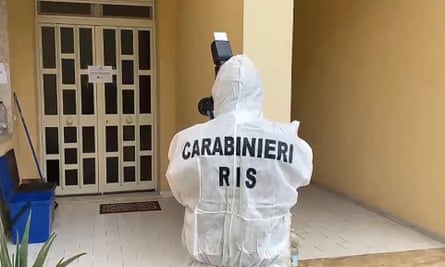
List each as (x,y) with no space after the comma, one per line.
(20,258)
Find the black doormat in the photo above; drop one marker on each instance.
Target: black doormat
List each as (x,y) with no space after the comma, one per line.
(129,207)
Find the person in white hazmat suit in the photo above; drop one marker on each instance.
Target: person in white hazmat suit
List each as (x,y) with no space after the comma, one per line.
(237,176)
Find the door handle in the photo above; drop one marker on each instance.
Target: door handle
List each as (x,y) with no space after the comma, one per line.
(69,121)
(129,120)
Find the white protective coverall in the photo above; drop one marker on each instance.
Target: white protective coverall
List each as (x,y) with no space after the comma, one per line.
(237,175)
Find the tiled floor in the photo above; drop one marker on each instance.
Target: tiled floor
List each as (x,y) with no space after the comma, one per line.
(328,226)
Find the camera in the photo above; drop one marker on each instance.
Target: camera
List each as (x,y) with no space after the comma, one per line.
(221,52)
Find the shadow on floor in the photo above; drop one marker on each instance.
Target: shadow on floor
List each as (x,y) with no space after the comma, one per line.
(417,258)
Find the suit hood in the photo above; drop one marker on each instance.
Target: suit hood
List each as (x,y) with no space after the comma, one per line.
(238,87)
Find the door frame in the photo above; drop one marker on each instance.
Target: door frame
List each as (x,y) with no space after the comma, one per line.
(102,22)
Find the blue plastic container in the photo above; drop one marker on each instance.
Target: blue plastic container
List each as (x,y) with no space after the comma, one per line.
(19,205)
(41,204)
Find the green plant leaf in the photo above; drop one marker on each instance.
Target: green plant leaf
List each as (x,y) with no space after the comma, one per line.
(60,261)
(68,261)
(15,258)
(43,253)
(21,257)
(22,254)
(5,260)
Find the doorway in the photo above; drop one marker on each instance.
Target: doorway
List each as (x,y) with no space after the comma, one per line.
(97,136)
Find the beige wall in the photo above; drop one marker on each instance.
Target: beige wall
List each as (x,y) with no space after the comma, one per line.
(255,29)
(197,20)
(267,40)
(167,19)
(23,80)
(6,141)
(5,90)
(370,91)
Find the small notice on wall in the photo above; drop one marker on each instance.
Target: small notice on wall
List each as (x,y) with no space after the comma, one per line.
(100,74)
(3,74)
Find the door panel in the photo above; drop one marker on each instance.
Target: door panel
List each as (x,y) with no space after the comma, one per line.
(121,112)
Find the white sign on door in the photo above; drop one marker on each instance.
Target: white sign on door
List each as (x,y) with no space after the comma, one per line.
(3,74)
(100,74)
